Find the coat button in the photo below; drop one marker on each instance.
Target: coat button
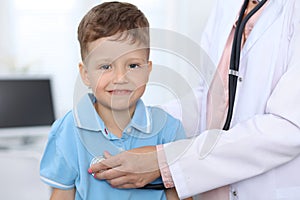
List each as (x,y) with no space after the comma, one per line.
(234,193)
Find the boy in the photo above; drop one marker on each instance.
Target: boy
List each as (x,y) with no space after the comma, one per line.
(114,42)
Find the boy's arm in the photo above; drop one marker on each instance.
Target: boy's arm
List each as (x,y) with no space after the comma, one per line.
(172,195)
(58,194)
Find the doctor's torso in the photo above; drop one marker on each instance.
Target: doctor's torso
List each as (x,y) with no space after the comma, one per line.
(265,58)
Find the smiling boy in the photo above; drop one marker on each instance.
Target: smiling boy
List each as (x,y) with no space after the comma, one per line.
(114,42)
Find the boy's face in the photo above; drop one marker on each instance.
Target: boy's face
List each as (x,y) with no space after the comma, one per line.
(117,73)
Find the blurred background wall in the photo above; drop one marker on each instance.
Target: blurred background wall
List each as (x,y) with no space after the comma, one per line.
(39,37)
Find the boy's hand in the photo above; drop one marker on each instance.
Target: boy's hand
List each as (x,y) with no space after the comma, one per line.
(130,169)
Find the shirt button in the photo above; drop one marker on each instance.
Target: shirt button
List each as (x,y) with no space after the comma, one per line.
(105,130)
(129,130)
(240,79)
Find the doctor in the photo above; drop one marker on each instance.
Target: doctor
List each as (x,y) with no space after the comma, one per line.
(259,156)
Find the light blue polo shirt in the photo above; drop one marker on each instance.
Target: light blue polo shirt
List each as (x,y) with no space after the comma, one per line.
(81,135)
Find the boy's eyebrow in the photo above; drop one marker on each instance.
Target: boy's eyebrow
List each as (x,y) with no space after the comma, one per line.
(98,60)
(105,60)
(137,58)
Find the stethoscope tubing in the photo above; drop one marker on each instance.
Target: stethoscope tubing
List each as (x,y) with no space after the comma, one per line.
(235,57)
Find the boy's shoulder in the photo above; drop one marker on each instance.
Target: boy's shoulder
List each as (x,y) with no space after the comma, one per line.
(166,125)
(160,119)
(65,122)
(66,118)
(159,112)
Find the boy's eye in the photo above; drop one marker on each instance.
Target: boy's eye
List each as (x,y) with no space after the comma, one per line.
(133,66)
(105,67)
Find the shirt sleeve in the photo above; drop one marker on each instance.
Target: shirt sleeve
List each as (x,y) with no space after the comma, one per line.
(54,167)
(164,168)
(177,133)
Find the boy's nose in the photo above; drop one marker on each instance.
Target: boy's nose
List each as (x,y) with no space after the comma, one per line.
(120,75)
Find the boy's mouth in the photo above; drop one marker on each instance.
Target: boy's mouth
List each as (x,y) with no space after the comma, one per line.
(120,92)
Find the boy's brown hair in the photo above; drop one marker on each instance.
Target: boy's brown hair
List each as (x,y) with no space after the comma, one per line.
(111,18)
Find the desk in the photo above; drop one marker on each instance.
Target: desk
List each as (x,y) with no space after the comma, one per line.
(20,153)
(24,138)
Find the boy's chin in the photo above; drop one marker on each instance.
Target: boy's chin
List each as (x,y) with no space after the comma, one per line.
(121,107)
(123,104)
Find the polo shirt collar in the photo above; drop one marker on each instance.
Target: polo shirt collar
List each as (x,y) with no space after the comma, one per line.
(86,116)
(141,119)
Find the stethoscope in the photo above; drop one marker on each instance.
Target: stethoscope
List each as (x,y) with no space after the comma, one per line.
(235,56)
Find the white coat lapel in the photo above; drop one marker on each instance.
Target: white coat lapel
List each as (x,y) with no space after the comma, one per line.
(227,22)
(214,44)
(271,11)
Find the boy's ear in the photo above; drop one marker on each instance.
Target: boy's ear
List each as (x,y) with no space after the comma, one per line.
(149,66)
(84,74)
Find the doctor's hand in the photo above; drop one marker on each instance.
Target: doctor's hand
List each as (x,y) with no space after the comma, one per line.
(130,169)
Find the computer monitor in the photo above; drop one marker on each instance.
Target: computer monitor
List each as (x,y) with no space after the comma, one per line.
(25,102)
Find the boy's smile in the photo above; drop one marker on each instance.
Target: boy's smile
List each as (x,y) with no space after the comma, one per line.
(120,92)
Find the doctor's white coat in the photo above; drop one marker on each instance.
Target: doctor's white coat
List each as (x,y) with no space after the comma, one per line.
(260,155)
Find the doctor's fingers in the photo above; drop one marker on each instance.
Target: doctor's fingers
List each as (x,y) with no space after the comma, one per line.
(128,181)
(109,174)
(110,162)
(134,180)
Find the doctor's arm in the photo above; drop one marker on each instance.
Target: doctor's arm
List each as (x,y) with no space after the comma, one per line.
(129,169)
(132,169)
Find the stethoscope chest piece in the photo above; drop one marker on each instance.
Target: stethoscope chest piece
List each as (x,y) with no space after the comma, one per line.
(96,160)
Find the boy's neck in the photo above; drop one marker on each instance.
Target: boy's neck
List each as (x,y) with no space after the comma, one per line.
(114,120)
